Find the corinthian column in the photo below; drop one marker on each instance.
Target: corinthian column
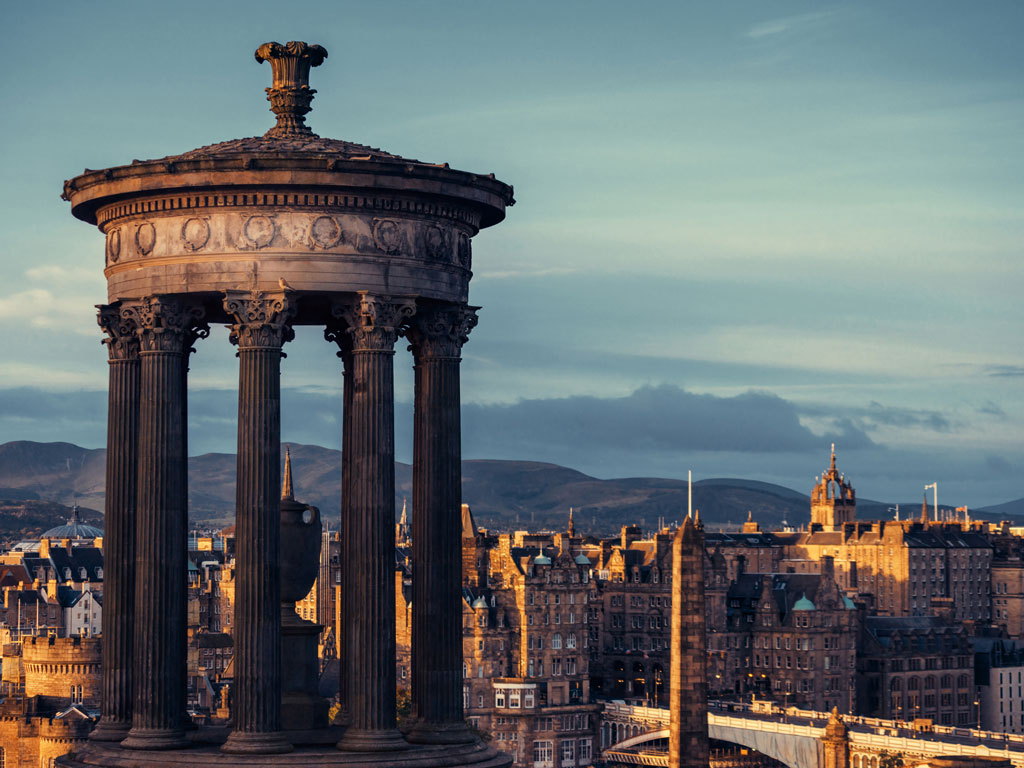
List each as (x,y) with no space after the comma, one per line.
(373,324)
(119,524)
(437,335)
(260,330)
(337,332)
(166,329)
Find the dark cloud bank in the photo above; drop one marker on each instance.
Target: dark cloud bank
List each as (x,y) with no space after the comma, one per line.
(654,431)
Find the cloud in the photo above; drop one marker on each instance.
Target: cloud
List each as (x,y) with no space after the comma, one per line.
(41,309)
(651,419)
(1005,370)
(792,25)
(991,409)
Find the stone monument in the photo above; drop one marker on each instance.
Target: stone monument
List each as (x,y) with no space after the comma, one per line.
(688,697)
(265,234)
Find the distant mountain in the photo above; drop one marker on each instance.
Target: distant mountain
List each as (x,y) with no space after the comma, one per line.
(1007,510)
(503,494)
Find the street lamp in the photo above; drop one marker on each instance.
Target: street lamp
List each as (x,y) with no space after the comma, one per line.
(977,709)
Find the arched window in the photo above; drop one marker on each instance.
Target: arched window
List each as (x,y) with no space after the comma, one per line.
(913,684)
(929,682)
(556,641)
(570,640)
(947,681)
(896,684)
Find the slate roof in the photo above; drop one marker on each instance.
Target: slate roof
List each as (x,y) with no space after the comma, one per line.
(292,144)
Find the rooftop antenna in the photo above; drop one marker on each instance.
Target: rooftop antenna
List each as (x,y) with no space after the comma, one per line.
(935,487)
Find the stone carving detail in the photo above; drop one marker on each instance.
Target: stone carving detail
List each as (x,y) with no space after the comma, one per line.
(145,238)
(259,231)
(122,339)
(324,232)
(262,319)
(290,95)
(165,325)
(464,252)
(438,332)
(374,321)
(387,236)
(435,242)
(195,233)
(113,246)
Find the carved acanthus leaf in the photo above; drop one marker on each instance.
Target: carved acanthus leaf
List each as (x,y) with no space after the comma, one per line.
(122,340)
(165,325)
(262,319)
(373,321)
(440,332)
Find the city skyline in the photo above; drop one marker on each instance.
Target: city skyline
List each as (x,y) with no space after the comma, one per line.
(742,233)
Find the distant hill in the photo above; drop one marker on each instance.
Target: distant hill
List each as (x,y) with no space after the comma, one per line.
(1009,510)
(503,494)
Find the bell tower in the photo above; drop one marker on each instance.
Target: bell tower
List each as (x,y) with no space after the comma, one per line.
(833,500)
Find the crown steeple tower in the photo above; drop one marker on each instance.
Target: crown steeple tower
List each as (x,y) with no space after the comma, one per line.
(833,500)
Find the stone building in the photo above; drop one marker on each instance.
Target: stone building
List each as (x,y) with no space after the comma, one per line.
(526,644)
(1007,589)
(52,708)
(790,637)
(632,611)
(999,674)
(916,667)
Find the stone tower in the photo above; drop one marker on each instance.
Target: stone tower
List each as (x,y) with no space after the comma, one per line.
(836,742)
(688,701)
(833,500)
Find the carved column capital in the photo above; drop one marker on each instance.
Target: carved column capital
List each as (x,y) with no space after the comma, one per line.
(122,340)
(165,325)
(262,319)
(440,332)
(373,321)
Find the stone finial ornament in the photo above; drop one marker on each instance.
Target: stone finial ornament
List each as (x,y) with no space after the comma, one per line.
(290,94)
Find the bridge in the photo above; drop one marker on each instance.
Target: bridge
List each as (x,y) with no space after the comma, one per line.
(629,735)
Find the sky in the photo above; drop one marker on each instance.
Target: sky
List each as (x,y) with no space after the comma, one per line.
(743,230)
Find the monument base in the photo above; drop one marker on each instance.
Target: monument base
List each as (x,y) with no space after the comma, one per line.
(205,751)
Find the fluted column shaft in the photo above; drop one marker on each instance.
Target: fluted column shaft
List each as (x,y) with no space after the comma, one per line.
(437,336)
(337,332)
(119,525)
(165,333)
(373,323)
(260,330)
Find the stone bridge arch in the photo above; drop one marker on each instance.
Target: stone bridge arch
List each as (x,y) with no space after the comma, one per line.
(790,749)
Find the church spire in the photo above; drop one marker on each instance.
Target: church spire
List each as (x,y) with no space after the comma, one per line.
(924,510)
(572,525)
(286,485)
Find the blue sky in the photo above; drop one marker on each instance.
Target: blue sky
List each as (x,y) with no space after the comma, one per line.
(743,230)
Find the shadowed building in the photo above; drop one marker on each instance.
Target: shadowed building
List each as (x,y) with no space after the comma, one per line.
(265,234)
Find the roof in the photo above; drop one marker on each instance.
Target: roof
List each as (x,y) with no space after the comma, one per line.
(297,144)
(73,529)
(803,604)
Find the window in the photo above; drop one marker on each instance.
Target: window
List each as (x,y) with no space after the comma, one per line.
(514,698)
(556,641)
(570,640)
(585,752)
(569,752)
(542,754)
(527,700)
(499,697)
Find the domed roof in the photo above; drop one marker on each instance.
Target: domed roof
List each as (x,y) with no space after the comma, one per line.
(287,148)
(542,559)
(73,529)
(803,604)
(480,602)
(848,604)
(582,559)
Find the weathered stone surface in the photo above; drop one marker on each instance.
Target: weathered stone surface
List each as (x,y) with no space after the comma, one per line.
(267,233)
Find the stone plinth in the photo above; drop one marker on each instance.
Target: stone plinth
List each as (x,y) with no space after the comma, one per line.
(99,755)
(302,707)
